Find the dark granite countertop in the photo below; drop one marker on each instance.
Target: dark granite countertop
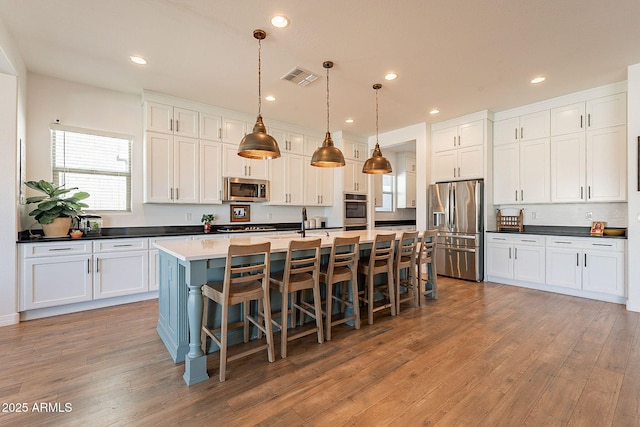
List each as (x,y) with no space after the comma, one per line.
(395,222)
(157,231)
(553,230)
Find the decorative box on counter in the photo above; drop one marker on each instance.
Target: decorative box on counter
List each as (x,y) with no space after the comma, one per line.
(510,222)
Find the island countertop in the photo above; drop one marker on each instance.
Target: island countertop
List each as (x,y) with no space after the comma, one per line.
(215,248)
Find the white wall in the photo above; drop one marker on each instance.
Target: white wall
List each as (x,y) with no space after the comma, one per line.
(633,195)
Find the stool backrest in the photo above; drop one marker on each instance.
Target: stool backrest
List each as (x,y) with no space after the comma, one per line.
(428,247)
(344,253)
(303,256)
(247,263)
(382,249)
(407,246)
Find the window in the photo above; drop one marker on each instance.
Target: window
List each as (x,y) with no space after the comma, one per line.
(387,194)
(96,162)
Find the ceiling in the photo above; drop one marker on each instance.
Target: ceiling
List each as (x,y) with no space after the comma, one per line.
(459,56)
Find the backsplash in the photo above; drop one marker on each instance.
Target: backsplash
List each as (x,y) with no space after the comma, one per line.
(569,214)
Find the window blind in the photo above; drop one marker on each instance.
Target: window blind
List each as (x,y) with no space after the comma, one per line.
(96,162)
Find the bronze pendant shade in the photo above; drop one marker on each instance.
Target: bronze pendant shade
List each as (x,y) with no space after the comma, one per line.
(327,155)
(258,144)
(377,163)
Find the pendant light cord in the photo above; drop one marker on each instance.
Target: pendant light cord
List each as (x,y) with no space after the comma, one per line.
(327,99)
(259,77)
(376,116)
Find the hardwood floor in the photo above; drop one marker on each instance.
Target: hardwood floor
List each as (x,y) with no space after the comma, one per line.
(483,354)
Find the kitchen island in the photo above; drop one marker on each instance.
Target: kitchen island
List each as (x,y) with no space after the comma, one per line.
(187,265)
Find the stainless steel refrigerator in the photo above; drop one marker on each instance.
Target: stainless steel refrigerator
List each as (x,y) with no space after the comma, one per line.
(455,210)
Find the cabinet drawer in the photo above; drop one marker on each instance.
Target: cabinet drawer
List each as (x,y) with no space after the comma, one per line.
(118,245)
(595,243)
(56,249)
(517,239)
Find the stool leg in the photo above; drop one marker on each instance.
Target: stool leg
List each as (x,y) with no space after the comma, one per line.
(317,303)
(223,342)
(266,309)
(329,308)
(245,314)
(284,317)
(203,335)
(370,298)
(353,295)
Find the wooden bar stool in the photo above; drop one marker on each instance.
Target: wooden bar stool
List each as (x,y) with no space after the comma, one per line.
(406,260)
(246,278)
(342,269)
(427,257)
(379,262)
(301,272)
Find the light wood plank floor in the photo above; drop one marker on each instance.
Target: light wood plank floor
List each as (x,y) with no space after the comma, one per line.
(483,354)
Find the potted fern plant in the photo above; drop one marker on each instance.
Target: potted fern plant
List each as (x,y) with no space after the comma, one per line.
(55,208)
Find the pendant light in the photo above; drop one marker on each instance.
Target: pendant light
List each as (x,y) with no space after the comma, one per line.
(258,144)
(377,164)
(328,155)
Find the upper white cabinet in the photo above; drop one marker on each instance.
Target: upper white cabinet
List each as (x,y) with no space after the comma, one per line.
(523,128)
(521,172)
(355,150)
(288,142)
(210,127)
(589,166)
(464,135)
(241,167)
(286,175)
(234,130)
(173,120)
(597,113)
(310,145)
(210,172)
(354,180)
(318,185)
(406,180)
(458,151)
(377,190)
(171,169)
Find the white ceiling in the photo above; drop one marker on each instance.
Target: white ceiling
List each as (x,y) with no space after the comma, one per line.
(460,56)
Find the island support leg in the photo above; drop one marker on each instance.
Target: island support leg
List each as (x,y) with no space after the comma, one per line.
(195,363)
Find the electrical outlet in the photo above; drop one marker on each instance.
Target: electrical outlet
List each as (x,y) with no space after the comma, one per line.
(534,215)
(588,215)
(187,216)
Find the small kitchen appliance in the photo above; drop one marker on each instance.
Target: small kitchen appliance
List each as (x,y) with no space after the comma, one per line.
(90,225)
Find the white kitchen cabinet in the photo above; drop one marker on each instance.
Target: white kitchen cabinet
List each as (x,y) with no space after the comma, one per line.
(210,127)
(589,166)
(310,145)
(603,112)
(464,135)
(210,167)
(458,164)
(288,142)
(406,180)
(171,169)
(521,172)
(241,167)
(522,128)
(354,180)
(318,185)
(171,120)
(518,257)
(55,273)
(234,130)
(286,175)
(377,190)
(588,264)
(121,267)
(355,150)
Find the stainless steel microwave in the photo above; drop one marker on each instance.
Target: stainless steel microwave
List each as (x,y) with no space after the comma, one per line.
(246,190)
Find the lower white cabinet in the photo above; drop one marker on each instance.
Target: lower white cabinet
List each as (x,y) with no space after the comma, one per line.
(588,264)
(520,257)
(121,267)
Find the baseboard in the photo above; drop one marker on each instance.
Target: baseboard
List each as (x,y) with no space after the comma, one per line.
(9,319)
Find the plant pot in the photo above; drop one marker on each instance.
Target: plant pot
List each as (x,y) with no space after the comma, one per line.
(207,227)
(58,228)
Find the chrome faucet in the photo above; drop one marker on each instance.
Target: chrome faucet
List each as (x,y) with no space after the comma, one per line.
(304,218)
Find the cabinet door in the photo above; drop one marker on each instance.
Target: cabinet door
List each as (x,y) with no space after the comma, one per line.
(603,272)
(52,281)
(411,190)
(470,162)
(185,170)
(295,142)
(159,117)
(607,111)
(154,263)
(310,145)
(232,164)
(606,164)
(258,169)
(568,161)
(185,122)
(506,174)
(377,191)
(506,131)
(123,273)
(278,183)
(210,172)
(445,139)
(325,185)
(563,267)
(210,127)
(499,261)
(528,263)
(568,119)
(445,165)
(158,174)
(311,184)
(471,134)
(354,179)
(534,126)
(295,172)
(535,171)
(410,164)
(233,131)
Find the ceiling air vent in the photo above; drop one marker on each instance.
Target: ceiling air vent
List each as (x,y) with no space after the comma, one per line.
(300,76)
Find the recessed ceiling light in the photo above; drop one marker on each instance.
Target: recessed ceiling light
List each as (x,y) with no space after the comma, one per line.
(279,21)
(391,76)
(138,60)
(538,80)
(434,111)
(270,98)
(349,121)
